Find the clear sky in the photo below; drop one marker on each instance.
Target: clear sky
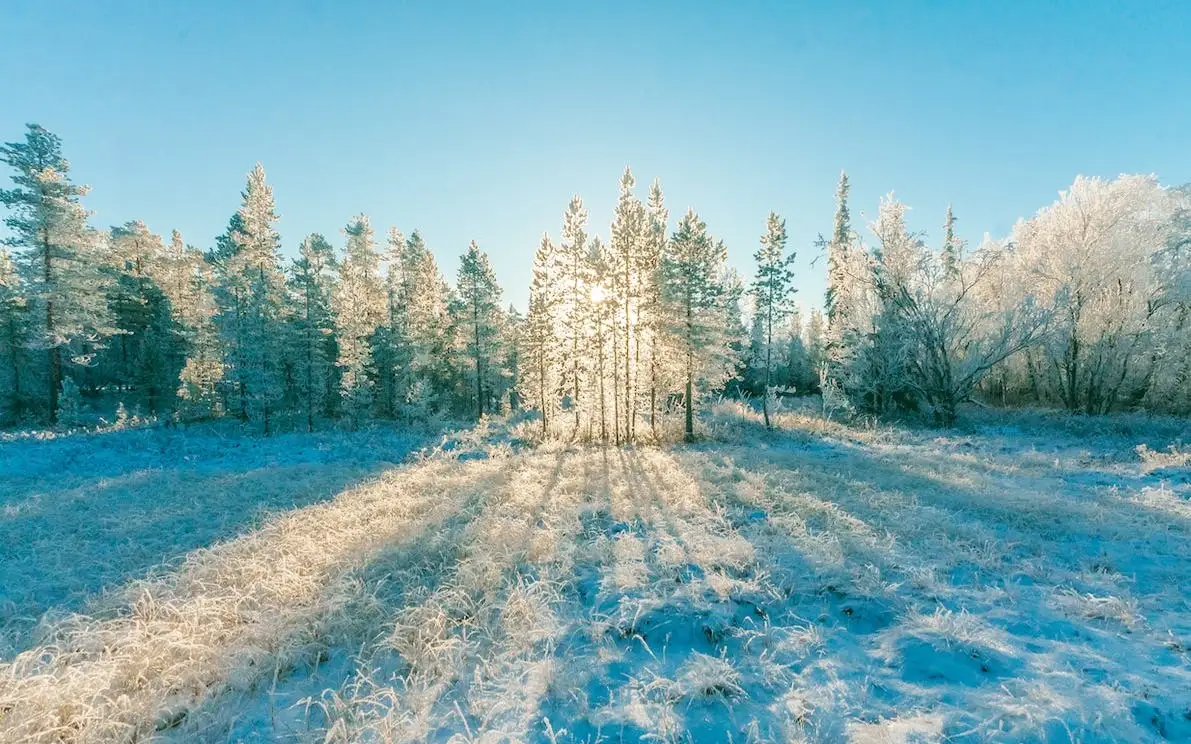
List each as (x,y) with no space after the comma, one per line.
(481,120)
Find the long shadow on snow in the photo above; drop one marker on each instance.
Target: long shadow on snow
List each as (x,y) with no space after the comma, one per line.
(1030,616)
(683,618)
(59,547)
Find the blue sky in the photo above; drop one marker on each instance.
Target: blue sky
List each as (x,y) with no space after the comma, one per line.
(479,121)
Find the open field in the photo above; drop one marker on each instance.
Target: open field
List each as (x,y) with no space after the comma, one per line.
(1023,578)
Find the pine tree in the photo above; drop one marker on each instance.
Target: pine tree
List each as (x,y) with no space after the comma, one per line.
(311,288)
(542,351)
(251,302)
(60,257)
(425,299)
(480,301)
(360,304)
(772,292)
(693,291)
(572,256)
(143,354)
(628,234)
(652,311)
(601,312)
(391,348)
(13,332)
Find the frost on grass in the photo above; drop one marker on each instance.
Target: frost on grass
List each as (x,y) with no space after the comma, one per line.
(85,512)
(1018,580)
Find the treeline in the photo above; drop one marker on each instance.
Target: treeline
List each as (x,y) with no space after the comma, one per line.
(1086,306)
(178,333)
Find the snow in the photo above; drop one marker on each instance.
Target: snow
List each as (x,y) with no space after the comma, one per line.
(87,511)
(1024,577)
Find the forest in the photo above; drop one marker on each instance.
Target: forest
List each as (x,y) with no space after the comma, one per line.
(1085,307)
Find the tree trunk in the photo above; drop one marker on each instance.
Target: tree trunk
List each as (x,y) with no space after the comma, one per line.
(628,387)
(616,388)
(600,362)
(309,363)
(54,361)
(542,392)
(475,315)
(768,364)
(689,434)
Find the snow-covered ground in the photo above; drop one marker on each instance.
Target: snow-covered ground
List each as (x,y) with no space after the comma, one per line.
(84,512)
(1024,578)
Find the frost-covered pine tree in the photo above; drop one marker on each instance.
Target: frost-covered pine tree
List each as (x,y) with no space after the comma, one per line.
(575,295)
(189,285)
(59,256)
(142,358)
(251,303)
(480,301)
(772,292)
(601,314)
(628,235)
(693,294)
(359,303)
(652,330)
(391,342)
(541,348)
(425,298)
(194,354)
(13,329)
(312,282)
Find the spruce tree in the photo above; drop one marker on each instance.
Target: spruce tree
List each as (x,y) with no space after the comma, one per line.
(60,257)
(840,300)
(952,250)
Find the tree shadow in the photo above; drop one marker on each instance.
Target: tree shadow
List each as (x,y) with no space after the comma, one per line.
(78,516)
(1048,547)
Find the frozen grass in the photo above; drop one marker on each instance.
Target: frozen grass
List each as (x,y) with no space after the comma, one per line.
(1020,579)
(85,511)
